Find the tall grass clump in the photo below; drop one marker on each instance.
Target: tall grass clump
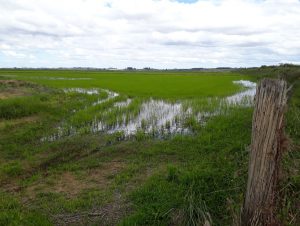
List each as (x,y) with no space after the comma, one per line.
(195,210)
(13,213)
(21,107)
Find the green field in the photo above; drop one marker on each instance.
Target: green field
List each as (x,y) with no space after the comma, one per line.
(143,84)
(58,168)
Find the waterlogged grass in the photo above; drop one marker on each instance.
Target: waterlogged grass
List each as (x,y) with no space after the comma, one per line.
(101,179)
(200,174)
(143,84)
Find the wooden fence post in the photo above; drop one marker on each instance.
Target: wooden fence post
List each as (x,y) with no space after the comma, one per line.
(265,153)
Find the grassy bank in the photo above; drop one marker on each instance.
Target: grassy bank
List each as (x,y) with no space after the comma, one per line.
(289,189)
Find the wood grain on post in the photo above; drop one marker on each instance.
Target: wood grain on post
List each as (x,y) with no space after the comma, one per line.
(265,153)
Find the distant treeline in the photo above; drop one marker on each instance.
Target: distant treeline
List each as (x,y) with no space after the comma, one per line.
(287,71)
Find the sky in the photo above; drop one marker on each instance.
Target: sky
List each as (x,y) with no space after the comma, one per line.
(149,33)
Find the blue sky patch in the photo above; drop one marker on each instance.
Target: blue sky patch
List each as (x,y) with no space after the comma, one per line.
(187,1)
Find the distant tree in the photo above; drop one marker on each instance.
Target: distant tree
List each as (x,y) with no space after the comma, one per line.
(130,68)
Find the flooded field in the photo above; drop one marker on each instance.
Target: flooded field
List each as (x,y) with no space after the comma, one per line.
(154,117)
(82,147)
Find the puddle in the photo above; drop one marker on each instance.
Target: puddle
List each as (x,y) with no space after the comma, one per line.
(59,78)
(245,83)
(245,97)
(45,77)
(110,95)
(123,104)
(158,117)
(81,90)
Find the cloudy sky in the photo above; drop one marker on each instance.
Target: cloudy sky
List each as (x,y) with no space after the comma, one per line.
(148,33)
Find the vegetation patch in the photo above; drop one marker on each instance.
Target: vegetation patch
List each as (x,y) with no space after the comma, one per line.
(58,169)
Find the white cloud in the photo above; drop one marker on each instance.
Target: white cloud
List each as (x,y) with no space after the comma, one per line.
(156,33)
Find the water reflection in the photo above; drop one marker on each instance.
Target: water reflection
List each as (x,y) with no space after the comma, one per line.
(157,117)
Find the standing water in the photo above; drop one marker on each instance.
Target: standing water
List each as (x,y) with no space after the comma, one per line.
(159,117)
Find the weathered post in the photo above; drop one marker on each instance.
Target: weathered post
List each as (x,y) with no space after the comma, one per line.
(265,153)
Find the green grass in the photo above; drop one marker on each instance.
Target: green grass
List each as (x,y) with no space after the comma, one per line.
(205,170)
(143,84)
(179,180)
(21,107)
(13,213)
